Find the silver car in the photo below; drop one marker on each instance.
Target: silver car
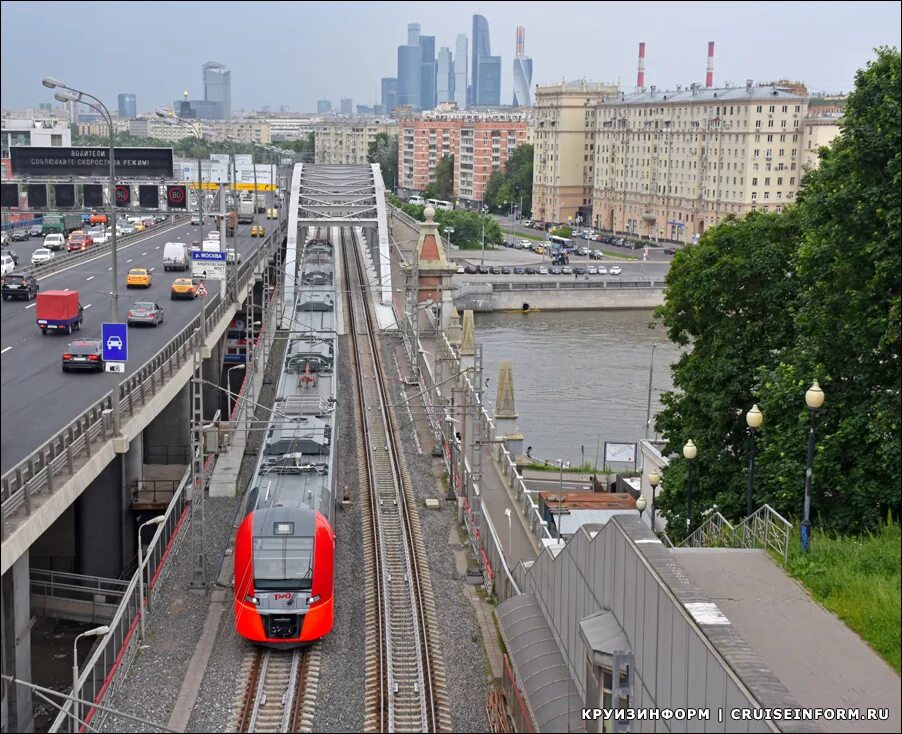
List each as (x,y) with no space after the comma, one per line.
(41,255)
(146,313)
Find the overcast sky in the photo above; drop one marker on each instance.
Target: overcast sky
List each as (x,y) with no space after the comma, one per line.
(295,53)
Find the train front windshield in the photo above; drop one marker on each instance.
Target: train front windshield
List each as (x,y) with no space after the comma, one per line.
(283,563)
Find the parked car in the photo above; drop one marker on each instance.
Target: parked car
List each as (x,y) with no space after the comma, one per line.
(602,270)
(615,270)
(579,270)
(505,270)
(524,244)
(495,270)
(17,285)
(670,251)
(470,270)
(138,277)
(530,270)
(592,270)
(567,270)
(84,354)
(144,312)
(41,255)
(554,270)
(483,269)
(461,270)
(543,270)
(519,270)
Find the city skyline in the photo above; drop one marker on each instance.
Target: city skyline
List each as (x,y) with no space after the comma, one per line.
(576,41)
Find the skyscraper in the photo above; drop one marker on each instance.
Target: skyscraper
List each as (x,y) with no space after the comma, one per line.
(389,94)
(409,76)
(481,47)
(489,89)
(427,72)
(128,106)
(413,34)
(522,71)
(444,79)
(347,106)
(218,87)
(323,106)
(460,71)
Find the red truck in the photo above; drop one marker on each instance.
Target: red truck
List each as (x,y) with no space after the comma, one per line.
(59,311)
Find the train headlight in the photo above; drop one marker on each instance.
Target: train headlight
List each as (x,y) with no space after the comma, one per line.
(313,600)
(252,600)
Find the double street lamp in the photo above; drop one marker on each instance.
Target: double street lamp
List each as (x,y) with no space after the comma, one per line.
(70,94)
(814,399)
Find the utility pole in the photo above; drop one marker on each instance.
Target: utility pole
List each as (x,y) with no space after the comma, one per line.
(198,479)
(651,367)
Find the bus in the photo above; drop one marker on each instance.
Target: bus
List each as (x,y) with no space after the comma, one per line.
(439,204)
(561,241)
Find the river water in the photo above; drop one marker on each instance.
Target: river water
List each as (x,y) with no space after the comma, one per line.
(580,377)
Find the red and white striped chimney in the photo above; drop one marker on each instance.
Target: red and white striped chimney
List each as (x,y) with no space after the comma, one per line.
(640,74)
(709,77)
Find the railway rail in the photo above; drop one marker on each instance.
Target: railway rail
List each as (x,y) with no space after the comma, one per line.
(405,678)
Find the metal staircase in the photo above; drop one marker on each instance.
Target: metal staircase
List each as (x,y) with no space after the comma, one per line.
(765,528)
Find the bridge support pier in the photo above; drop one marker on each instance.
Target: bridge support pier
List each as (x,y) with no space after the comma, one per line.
(15,709)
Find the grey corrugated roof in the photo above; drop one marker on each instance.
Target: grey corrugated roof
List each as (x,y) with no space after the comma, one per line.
(603,635)
(539,664)
(729,94)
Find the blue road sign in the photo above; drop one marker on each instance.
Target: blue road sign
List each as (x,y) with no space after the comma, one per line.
(115,342)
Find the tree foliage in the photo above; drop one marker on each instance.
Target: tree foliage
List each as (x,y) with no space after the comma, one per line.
(467,226)
(562,231)
(513,183)
(772,302)
(384,151)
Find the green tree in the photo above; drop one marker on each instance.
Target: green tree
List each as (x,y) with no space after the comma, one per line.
(384,151)
(514,183)
(563,231)
(848,317)
(444,178)
(726,302)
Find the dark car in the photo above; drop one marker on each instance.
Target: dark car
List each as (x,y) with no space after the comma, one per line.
(519,270)
(144,312)
(470,270)
(19,235)
(85,354)
(35,230)
(530,270)
(505,270)
(554,270)
(579,270)
(16,285)
(482,269)
(670,251)
(495,270)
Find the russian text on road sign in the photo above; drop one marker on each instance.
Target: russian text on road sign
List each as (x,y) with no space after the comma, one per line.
(114,338)
(208,264)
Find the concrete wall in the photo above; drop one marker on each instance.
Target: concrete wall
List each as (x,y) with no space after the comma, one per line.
(15,708)
(558,296)
(98,524)
(167,436)
(55,549)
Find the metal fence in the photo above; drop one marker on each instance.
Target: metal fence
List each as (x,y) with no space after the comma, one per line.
(765,528)
(95,594)
(50,463)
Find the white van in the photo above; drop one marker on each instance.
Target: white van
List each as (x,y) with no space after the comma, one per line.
(210,246)
(7,264)
(55,242)
(418,200)
(175,256)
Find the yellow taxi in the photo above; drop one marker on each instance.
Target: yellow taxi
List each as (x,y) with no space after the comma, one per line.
(183,288)
(140,227)
(138,277)
(257,231)
(272,214)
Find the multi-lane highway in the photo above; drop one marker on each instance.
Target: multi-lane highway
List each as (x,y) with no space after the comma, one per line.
(38,398)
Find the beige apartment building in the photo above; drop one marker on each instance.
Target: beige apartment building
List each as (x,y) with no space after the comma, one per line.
(817,132)
(242,131)
(349,142)
(669,164)
(563,132)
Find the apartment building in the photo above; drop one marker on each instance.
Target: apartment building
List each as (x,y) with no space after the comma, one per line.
(242,131)
(479,142)
(564,138)
(46,132)
(349,142)
(817,132)
(669,164)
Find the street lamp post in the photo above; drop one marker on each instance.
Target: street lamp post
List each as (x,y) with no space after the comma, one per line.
(690,451)
(510,546)
(814,398)
(70,94)
(560,498)
(641,505)
(158,520)
(651,367)
(233,396)
(654,479)
(754,418)
(76,703)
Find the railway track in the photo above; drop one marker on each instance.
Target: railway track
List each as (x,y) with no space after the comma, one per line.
(405,679)
(275,697)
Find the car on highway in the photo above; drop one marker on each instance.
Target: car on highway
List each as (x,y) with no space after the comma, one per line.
(79,241)
(84,354)
(5,239)
(101,238)
(615,270)
(524,244)
(527,223)
(138,278)
(19,234)
(35,230)
(272,213)
(18,285)
(258,231)
(11,255)
(7,264)
(145,313)
(41,255)
(233,256)
(55,242)
(183,288)
(195,218)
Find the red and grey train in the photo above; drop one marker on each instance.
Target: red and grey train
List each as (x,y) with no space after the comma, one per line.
(285,546)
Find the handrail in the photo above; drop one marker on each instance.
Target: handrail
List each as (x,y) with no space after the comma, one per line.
(716,531)
(56,456)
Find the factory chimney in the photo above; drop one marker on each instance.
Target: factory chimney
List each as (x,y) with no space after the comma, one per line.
(709,77)
(640,74)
